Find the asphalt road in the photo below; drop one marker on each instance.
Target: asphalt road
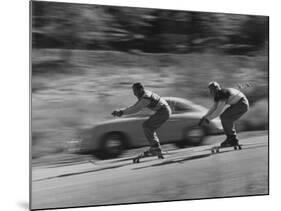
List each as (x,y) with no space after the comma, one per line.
(189,173)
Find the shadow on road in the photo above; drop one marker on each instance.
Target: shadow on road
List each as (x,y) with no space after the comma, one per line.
(179,160)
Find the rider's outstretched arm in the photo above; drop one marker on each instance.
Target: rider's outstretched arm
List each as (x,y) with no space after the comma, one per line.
(211,110)
(218,110)
(136,107)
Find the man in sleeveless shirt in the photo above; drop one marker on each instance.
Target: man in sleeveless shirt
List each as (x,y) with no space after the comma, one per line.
(148,99)
(238,105)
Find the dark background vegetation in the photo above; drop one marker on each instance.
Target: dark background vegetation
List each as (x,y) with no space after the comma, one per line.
(85,58)
(95,27)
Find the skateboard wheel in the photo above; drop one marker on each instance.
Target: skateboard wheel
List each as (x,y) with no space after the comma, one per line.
(213,151)
(235,147)
(217,150)
(239,147)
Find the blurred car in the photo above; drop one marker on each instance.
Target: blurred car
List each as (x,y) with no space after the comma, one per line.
(110,138)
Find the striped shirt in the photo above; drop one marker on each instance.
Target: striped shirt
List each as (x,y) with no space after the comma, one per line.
(147,100)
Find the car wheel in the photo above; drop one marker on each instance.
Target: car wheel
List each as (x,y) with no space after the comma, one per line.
(192,137)
(112,145)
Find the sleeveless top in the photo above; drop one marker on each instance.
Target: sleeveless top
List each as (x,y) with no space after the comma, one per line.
(230,95)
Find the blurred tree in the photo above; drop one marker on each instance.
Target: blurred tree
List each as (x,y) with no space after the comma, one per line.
(85,26)
(132,26)
(255,30)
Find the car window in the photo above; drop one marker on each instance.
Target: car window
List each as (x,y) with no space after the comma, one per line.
(178,107)
(182,107)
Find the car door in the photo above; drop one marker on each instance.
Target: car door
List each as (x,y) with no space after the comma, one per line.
(135,129)
(172,129)
(177,123)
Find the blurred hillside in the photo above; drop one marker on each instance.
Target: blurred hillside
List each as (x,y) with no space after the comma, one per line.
(85,58)
(66,98)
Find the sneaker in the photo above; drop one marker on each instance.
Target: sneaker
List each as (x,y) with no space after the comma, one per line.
(156,151)
(234,141)
(226,143)
(160,156)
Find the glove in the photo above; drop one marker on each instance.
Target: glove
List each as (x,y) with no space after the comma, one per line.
(117,113)
(203,120)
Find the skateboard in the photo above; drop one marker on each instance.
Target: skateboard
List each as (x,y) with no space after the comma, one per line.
(147,154)
(216,149)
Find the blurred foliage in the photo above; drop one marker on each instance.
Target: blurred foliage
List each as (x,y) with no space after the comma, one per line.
(95,27)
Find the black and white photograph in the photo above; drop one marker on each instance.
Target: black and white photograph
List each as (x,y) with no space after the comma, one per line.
(135,105)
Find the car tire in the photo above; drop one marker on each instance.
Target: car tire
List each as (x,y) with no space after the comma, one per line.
(112,145)
(193,136)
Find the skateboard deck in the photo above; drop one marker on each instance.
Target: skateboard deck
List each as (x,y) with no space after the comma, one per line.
(216,149)
(144,155)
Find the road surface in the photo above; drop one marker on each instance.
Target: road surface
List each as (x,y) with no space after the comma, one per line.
(189,173)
